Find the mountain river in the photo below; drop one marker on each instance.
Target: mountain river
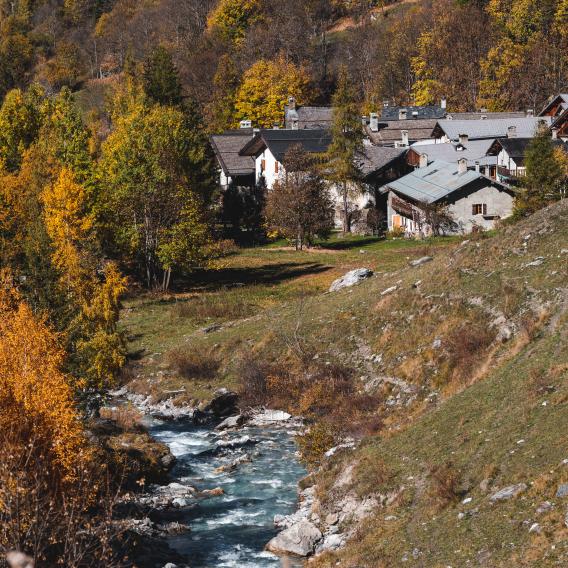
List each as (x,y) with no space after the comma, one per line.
(231,530)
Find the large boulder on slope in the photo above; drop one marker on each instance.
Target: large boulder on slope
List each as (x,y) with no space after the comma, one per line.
(298,540)
(351,278)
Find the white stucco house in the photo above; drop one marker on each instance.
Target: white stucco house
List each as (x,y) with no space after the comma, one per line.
(472,199)
(269,148)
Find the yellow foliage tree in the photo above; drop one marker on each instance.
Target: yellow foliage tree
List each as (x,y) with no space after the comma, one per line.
(265,89)
(99,347)
(231,19)
(33,386)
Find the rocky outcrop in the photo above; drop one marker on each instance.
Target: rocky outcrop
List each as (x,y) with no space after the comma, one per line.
(351,279)
(223,404)
(299,540)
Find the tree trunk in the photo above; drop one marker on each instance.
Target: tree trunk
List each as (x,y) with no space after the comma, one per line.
(346,223)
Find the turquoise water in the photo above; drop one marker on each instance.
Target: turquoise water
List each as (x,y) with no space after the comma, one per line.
(232,530)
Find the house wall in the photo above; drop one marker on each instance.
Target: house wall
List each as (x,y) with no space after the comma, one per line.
(505,161)
(269,172)
(499,204)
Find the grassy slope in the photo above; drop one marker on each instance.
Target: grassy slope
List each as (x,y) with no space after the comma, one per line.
(471,402)
(508,428)
(254,289)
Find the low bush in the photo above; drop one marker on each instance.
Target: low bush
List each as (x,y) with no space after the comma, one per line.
(253,377)
(221,305)
(444,485)
(193,364)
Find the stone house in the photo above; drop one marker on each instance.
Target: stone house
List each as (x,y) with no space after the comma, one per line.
(471,199)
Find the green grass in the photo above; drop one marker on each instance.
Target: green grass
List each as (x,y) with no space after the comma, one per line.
(253,282)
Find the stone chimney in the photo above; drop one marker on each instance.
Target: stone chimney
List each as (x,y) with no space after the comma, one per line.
(404,137)
(291,103)
(462,166)
(477,167)
(402,114)
(444,103)
(374,122)
(245,124)
(464,139)
(530,112)
(386,103)
(512,132)
(423,161)
(554,133)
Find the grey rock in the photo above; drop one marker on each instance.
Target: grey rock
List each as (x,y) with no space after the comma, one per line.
(535,528)
(508,492)
(544,507)
(351,279)
(437,343)
(389,290)
(267,417)
(331,542)
(232,422)
(224,404)
(536,262)
(299,540)
(170,565)
(562,490)
(421,261)
(331,519)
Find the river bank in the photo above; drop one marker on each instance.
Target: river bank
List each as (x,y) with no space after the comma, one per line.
(229,484)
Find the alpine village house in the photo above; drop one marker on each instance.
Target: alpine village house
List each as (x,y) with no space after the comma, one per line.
(413,159)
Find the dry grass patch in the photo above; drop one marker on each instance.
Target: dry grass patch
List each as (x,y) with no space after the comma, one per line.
(193,365)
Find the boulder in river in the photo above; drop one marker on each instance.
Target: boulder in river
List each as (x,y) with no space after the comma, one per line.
(299,540)
(224,404)
(232,422)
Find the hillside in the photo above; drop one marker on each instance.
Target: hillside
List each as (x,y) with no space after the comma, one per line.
(451,383)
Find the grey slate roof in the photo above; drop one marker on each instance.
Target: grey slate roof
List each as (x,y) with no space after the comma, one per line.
(391,132)
(392,113)
(280,141)
(490,128)
(517,147)
(375,158)
(484,115)
(473,151)
(434,182)
(227,147)
(309,117)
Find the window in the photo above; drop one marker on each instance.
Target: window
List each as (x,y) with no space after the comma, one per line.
(479,209)
(262,165)
(276,167)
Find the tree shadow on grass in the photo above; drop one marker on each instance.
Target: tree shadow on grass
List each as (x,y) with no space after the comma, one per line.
(269,274)
(348,244)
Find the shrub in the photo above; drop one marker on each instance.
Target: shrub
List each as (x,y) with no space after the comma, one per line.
(444,485)
(396,233)
(313,444)
(253,377)
(193,364)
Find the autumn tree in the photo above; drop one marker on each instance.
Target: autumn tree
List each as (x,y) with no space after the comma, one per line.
(300,205)
(150,205)
(49,479)
(544,178)
(161,80)
(347,140)
(21,117)
(265,90)
(231,19)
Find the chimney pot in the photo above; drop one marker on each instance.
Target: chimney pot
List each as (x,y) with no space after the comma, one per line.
(423,161)
(374,122)
(402,114)
(530,112)
(462,166)
(554,133)
(444,103)
(477,167)
(512,132)
(464,139)
(404,137)
(292,103)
